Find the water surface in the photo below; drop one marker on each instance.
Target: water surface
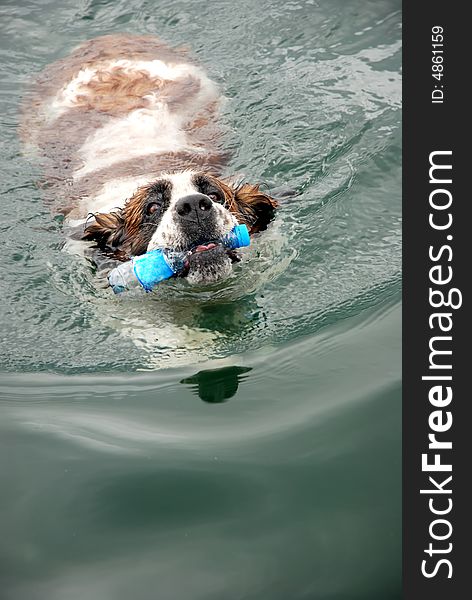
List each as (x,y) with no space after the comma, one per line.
(238,444)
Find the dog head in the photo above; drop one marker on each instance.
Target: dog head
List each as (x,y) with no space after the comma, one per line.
(187,211)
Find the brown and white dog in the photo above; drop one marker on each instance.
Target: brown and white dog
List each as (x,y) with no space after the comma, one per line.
(128,130)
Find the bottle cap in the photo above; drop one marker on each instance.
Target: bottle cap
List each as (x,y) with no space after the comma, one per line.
(242,234)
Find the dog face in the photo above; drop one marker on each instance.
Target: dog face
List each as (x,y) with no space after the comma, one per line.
(187,211)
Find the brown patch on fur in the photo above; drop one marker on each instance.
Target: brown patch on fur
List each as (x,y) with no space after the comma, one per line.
(133,212)
(179,92)
(249,204)
(124,229)
(107,230)
(118,91)
(257,207)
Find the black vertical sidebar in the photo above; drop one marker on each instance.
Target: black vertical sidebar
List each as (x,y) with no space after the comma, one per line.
(442,125)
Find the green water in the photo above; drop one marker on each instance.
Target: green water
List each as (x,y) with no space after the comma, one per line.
(242,444)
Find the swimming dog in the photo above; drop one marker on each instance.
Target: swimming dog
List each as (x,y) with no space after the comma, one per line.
(133,153)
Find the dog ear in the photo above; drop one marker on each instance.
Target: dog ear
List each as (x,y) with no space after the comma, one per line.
(106,229)
(255,207)
(120,232)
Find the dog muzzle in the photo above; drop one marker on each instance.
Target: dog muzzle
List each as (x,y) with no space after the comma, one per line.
(147,270)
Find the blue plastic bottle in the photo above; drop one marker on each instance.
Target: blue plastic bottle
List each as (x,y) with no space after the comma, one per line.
(149,269)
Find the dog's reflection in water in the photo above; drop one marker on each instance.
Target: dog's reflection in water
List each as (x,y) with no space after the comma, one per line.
(217,385)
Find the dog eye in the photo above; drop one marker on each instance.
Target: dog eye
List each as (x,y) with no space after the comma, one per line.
(152,208)
(213,196)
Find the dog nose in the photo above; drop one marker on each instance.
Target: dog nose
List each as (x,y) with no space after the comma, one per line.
(194,207)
